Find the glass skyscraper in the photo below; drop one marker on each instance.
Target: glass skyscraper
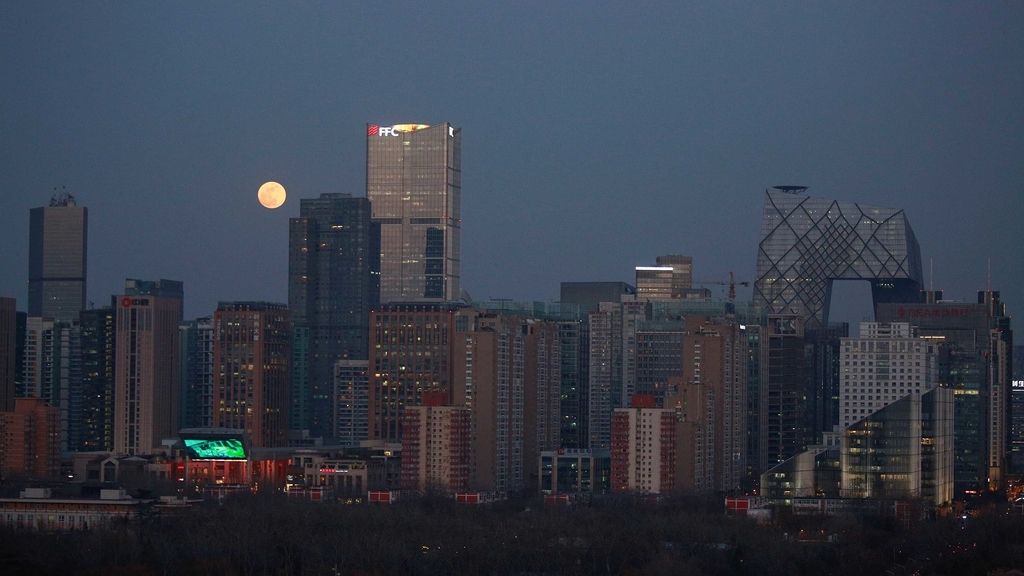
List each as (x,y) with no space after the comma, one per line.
(57,259)
(808,242)
(333,282)
(414,183)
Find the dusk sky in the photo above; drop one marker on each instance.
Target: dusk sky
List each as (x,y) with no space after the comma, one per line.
(595,136)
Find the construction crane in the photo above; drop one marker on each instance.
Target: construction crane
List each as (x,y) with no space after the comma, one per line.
(731,283)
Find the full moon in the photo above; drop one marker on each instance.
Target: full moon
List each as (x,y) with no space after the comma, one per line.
(271,195)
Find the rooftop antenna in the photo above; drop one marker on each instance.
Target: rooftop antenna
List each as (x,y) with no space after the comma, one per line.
(62,198)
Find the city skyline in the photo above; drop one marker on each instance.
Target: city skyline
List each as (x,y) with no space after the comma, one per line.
(861,108)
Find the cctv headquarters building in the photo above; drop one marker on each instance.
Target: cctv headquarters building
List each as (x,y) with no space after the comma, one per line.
(414,182)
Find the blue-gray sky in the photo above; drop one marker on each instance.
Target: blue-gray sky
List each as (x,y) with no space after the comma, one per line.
(595,135)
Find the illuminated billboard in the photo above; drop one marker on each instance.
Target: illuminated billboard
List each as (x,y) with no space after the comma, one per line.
(215,448)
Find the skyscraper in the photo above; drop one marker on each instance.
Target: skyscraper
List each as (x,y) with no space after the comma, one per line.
(808,242)
(414,182)
(146,365)
(974,360)
(333,282)
(92,423)
(57,259)
(195,339)
(8,355)
(250,366)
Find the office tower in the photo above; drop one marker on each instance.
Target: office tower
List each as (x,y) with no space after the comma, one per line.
(333,283)
(757,390)
(670,279)
(887,362)
(436,445)
(250,365)
(822,348)
(351,402)
(411,348)
(196,374)
(783,406)
(30,441)
(587,295)
(8,352)
(974,360)
(612,357)
(506,371)
(57,259)
(643,447)
(146,364)
(414,182)
(808,242)
(883,455)
(93,421)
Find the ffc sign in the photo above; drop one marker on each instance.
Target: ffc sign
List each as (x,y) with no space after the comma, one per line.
(378,130)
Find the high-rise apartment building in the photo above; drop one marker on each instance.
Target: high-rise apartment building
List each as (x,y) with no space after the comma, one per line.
(613,369)
(333,283)
(250,365)
(8,352)
(93,420)
(53,369)
(807,243)
(351,402)
(195,340)
(57,259)
(414,183)
(506,371)
(30,441)
(714,359)
(643,448)
(436,451)
(146,364)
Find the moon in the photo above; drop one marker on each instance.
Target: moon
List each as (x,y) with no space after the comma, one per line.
(271,195)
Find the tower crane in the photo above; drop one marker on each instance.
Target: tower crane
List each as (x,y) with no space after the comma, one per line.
(731,283)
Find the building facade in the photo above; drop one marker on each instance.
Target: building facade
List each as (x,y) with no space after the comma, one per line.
(974,360)
(884,364)
(146,364)
(351,402)
(57,259)
(8,352)
(30,441)
(643,448)
(196,373)
(251,350)
(93,421)
(436,452)
(333,283)
(414,183)
(807,243)
(411,352)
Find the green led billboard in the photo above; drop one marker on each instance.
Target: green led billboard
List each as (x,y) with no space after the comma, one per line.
(215,448)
